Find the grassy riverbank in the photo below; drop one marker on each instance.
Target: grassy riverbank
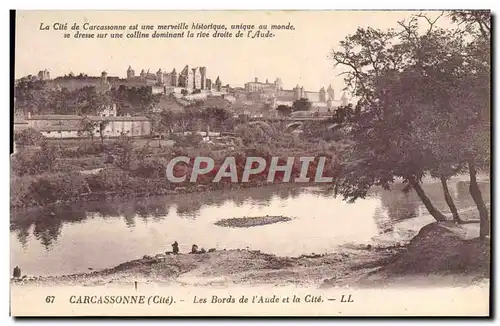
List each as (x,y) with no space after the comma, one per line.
(51,174)
(442,254)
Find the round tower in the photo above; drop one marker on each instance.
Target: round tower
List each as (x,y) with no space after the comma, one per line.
(296,92)
(203,78)
(278,84)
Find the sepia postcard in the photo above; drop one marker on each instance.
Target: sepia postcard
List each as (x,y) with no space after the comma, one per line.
(250,163)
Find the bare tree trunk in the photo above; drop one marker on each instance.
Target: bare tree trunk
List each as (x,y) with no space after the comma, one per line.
(438,216)
(449,200)
(475,192)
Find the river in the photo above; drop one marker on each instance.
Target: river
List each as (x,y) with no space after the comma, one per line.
(76,238)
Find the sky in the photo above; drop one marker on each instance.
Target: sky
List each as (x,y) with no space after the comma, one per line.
(298,56)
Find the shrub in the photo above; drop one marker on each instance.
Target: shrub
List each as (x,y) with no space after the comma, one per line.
(335,135)
(192,140)
(47,189)
(89,149)
(82,150)
(151,168)
(34,162)
(109,180)
(65,166)
(122,152)
(29,137)
(109,159)
(322,145)
(20,192)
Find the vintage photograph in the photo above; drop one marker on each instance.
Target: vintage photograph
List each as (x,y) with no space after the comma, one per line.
(233,163)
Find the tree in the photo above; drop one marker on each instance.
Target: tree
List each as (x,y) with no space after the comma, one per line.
(214,117)
(343,114)
(384,150)
(474,21)
(475,97)
(102,127)
(459,66)
(284,110)
(32,96)
(90,101)
(400,77)
(34,162)
(166,121)
(265,109)
(122,151)
(302,104)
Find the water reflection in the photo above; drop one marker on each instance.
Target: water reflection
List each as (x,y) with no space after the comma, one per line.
(47,222)
(80,232)
(400,204)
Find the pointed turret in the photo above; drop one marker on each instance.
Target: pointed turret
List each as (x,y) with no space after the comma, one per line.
(331,93)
